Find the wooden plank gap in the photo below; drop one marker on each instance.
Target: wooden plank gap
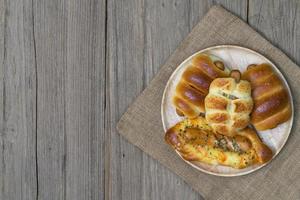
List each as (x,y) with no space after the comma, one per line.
(247,11)
(107,148)
(36,100)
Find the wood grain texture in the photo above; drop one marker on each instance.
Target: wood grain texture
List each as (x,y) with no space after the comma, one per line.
(50,32)
(18,101)
(85,100)
(70,40)
(199,8)
(64,86)
(141,36)
(279,22)
(125,48)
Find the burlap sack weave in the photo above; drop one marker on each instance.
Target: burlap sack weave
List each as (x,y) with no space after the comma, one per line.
(142,126)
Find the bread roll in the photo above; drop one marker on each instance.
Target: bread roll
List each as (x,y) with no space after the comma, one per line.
(272,105)
(228,105)
(195,140)
(194,84)
(263,152)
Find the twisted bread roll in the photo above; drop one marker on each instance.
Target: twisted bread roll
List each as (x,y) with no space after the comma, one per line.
(195,140)
(271,100)
(228,104)
(194,84)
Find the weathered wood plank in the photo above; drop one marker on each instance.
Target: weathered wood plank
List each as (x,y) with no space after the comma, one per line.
(199,8)
(125,63)
(279,21)
(50,34)
(18,101)
(70,39)
(141,35)
(85,100)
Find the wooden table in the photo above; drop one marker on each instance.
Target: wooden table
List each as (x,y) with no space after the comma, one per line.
(70,68)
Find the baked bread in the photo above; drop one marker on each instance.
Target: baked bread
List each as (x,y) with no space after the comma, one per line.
(229,104)
(272,105)
(194,84)
(195,140)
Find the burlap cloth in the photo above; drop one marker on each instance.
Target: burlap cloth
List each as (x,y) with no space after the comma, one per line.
(142,126)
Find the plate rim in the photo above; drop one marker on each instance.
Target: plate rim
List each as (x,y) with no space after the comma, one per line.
(277,71)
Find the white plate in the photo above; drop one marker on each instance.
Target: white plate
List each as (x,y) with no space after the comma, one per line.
(235,57)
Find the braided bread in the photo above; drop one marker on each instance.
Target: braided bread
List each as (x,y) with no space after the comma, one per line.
(194,84)
(228,105)
(271,100)
(195,140)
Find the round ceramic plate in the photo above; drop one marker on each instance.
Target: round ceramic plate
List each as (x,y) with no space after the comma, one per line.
(234,57)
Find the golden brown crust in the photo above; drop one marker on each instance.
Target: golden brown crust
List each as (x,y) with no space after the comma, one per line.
(194,85)
(264,153)
(271,101)
(205,64)
(190,94)
(218,102)
(241,106)
(274,120)
(228,105)
(258,73)
(196,78)
(195,140)
(269,105)
(185,107)
(239,121)
(218,117)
